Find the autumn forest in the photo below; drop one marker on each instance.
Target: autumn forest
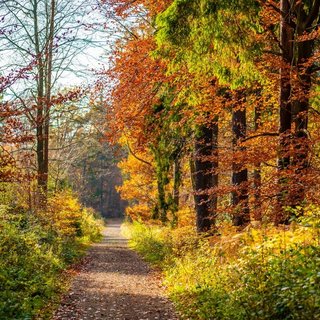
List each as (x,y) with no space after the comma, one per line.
(197,123)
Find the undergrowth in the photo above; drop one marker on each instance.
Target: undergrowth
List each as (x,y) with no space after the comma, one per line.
(267,273)
(36,248)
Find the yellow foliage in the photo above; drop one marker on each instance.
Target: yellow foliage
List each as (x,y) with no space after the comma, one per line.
(64,212)
(138,212)
(186,217)
(273,239)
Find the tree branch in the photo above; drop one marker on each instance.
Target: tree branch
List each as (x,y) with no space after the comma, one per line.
(314,13)
(135,156)
(264,134)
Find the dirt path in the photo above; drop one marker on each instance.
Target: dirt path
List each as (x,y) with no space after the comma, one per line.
(115,284)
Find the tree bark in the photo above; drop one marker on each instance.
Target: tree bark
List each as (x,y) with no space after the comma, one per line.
(48,84)
(286,47)
(42,177)
(44,83)
(240,196)
(257,171)
(301,105)
(162,199)
(176,188)
(206,176)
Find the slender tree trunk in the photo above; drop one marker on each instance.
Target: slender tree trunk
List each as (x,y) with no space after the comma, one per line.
(101,187)
(161,208)
(206,176)
(286,46)
(176,182)
(176,188)
(48,84)
(162,204)
(42,176)
(257,172)
(240,196)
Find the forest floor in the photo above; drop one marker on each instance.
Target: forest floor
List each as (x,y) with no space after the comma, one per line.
(115,283)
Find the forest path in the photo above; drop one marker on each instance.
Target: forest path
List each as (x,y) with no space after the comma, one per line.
(114,284)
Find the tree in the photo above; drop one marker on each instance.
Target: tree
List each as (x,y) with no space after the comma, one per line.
(240,196)
(205,175)
(47,35)
(195,33)
(297,44)
(221,61)
(12,131)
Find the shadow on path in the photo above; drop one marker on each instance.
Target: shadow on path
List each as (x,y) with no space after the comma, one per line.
(115,284)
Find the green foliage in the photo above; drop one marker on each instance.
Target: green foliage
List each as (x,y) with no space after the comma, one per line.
(90,225)
(270,274)
(148,241)
(32,256)
(166,147)
(28,268)
(213,39)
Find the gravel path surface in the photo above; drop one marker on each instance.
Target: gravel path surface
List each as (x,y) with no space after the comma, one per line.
(115,284)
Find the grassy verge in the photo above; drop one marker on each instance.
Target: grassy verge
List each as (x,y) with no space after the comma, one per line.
(63,283)
(264,273)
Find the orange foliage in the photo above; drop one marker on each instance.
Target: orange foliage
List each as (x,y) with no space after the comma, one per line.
(122,7)
(139,187)
(139,79)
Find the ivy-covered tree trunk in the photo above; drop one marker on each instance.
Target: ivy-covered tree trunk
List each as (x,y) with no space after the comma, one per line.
(206,176)
(176,189)
(239,196)
(162,167)
(162,204)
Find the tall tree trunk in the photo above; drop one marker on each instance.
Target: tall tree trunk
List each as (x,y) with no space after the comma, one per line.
(286,47)
(206,176)
(304,51)
(48,84)
(176,188)
(240,196)
(161,208)
(257,171)
(42,176)
(301,139)
(162,204)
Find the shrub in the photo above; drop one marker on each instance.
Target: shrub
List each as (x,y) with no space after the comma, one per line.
(35,248)
(148,241)
(269,273)
(28,271)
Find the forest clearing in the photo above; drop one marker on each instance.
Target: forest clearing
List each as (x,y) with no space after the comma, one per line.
(160,159)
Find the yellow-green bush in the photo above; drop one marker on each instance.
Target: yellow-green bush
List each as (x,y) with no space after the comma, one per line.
(269,273)
(28,271)
(36,247)
(90,225)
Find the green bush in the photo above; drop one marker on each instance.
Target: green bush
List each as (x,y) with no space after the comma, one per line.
(28,271)
(33,253)
(90,225)
(148,241)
